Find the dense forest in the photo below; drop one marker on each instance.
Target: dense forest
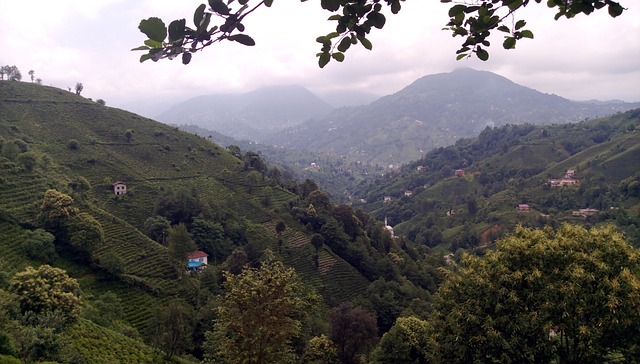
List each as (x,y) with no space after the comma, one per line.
(91,276)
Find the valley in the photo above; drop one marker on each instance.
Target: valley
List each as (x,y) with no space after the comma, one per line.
(368,227)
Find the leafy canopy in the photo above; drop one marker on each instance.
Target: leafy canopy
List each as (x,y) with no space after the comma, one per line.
(47,290)
(259,316)
(568,296)
(354,20)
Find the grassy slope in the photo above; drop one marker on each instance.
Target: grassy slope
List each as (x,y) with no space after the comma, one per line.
(157,157)
(608,162)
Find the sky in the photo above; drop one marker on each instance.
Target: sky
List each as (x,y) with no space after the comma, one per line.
(69,41)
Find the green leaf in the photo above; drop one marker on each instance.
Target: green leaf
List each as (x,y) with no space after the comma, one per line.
(515,4)
(186,57)
(153,28)
(338,56)
(323,59)
(335,17)
(482,54)
(152,43)
(615,9)
(242,39)
(268,3)
(176,30)
(345,43)
(141,48)
(331,5)
(198,15)
(520,24)
(504,28)
(509,43)
(365,43)
(395,6)
(456,9)
(377,19)
(461,56)
(526,34)
(218,6)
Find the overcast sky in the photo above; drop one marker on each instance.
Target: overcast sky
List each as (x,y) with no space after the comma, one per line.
(69,41)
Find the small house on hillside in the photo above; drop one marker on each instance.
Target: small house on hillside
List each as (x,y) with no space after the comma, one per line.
(408,193)
(119,188)
(569,179)
(197,261)
(584,213)
(523,207)
(459,172)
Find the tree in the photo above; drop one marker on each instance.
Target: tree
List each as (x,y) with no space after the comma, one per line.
(317,241)
(79,87)
(280,228)
(39,245)
(408,341)
(73,144)
(47,290)
(128,134)
(209,236)
(111,263)
(321,350)
(157,227)
(568,296)
(353,330)
(259,315)
(354,21)
(180,244)
(174,326)
(10,150)
(12,73)
(31,74)
(85,234)
(56,208)
(28,160)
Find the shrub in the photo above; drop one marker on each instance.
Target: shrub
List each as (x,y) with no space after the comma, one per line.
(73,144)
(39,245)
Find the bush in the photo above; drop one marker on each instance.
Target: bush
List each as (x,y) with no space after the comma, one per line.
(39,245)
(73,144)
(112,264)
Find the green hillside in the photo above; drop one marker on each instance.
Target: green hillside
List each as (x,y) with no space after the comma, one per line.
(512,165)
(51,139)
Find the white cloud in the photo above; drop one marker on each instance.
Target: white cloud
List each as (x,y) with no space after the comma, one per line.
(72,40)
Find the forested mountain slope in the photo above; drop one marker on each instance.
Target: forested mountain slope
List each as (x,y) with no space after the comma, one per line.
(60,156)
(435,111)
(466,194)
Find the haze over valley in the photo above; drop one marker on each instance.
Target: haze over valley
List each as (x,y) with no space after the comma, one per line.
(186,183)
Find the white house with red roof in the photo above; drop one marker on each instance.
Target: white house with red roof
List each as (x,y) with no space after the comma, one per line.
(119,188)
(197,260)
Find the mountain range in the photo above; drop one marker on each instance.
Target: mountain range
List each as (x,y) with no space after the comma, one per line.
(434,111)
(250,115)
